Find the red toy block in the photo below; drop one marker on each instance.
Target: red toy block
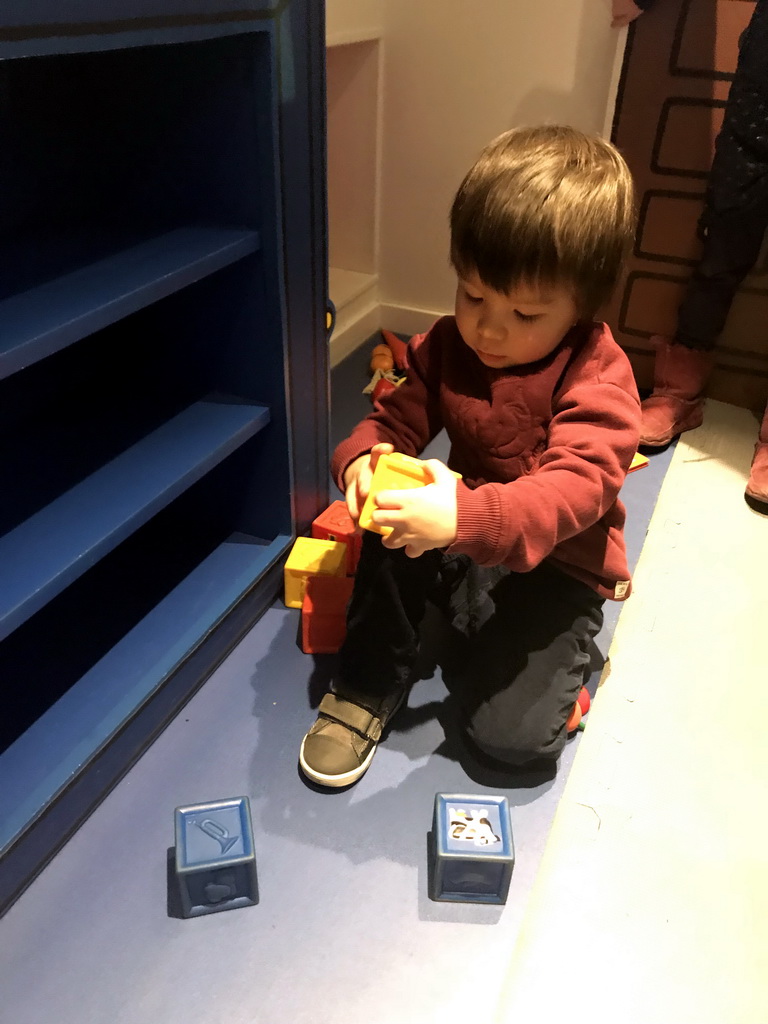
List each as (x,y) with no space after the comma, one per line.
(324,613)
(336,524)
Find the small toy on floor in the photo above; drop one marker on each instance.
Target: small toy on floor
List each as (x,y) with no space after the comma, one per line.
(391,354)
(215,863)
(382,382)
(580,708)
(638,462)
(471,850)
(387,366)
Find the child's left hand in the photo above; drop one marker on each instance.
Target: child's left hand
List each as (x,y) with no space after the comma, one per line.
(423,517)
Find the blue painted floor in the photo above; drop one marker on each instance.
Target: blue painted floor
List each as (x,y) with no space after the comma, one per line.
(344,929)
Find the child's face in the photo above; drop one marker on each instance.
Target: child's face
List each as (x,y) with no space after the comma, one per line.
(514,328)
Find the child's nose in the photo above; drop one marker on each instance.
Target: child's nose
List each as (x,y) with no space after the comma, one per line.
(491,328)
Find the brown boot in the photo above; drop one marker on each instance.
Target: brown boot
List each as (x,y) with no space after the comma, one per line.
(677,402)
(756,494)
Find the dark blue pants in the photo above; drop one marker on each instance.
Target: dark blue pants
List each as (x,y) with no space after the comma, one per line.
(735,215)
(523,640)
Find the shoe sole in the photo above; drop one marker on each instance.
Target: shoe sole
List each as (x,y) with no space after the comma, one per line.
(346,778)
(655,444)
(335,781)
(759,505)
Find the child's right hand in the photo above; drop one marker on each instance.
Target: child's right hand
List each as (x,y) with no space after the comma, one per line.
(358,476)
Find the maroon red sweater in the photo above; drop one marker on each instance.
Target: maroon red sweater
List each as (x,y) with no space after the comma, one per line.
(543,449)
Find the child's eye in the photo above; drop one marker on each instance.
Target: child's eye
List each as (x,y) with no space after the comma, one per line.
(527,319)
(473,298)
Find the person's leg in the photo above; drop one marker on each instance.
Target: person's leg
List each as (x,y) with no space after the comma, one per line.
(756,494)
(375,661)
(529,637)
(732,227)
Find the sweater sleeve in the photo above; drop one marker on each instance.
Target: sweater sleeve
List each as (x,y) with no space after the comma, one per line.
(408,417)
(592,437)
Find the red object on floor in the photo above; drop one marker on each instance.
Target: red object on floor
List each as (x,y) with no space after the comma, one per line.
(574,718)
(336,524)
(580,708)
(584,700)
(324,613)
(398,348)
(382,387)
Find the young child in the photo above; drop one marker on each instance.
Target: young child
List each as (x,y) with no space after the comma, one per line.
(542,413)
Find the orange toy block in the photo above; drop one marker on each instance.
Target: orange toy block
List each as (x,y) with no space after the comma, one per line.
(324,613)
(336,524)
(311,557)
(393,472)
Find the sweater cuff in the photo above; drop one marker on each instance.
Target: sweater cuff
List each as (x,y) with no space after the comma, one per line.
(346,453)
(478,524)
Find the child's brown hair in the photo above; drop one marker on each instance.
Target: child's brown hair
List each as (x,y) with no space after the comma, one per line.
(546,205)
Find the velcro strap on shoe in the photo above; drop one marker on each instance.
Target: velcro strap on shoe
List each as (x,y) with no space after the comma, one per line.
(352,715)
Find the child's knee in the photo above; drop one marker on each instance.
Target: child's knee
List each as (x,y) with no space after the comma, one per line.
(516,743)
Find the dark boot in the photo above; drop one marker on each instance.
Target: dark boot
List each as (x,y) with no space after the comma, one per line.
(756,494)
(677,402)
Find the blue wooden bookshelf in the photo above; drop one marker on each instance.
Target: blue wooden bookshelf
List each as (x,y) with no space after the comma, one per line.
(163,371)
(63,540)
(57,313)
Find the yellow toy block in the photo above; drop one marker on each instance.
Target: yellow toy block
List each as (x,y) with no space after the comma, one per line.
(311,557)
(638,462)
(393,472)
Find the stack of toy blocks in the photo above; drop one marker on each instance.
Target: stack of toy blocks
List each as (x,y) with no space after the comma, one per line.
(319,570)
(324,614)
(319,579)
(335,524)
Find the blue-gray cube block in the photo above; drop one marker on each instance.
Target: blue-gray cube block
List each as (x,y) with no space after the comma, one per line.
(472,849)
(215,859)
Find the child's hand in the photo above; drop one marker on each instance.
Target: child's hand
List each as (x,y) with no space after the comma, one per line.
(421,518)
(623,12)
(357,478)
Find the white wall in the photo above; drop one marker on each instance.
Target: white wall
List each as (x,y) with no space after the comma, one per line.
(456,73)
(416,89)
(350,20)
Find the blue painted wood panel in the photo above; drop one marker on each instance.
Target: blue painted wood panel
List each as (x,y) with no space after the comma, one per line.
(48,754)
(39,13)
(56,545)
(46,319)
(39,27)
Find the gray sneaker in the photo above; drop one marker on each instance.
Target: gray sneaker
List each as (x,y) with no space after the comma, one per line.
(340,746)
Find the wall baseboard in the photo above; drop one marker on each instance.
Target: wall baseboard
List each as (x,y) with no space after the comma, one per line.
(353,331)
(350,332)
(408,320)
